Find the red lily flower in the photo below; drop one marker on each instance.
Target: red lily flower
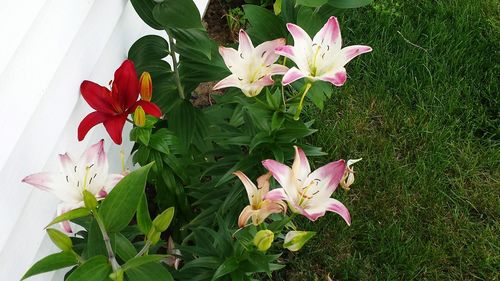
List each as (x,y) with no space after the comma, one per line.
(113,107)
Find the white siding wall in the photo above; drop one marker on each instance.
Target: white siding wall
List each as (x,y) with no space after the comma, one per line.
(47,48)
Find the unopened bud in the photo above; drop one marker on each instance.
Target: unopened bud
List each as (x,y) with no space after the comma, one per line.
(263,240)
(139,117)
(294,240)
(163,220)
(146,86)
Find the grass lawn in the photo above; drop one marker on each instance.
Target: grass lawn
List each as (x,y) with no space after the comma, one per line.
(423,112)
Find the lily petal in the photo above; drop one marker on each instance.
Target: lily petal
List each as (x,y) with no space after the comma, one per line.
(329,34)
(266,50)
(292,75)
(339,208)
(230,81)
(63,208)
(230,56)
(337,77)
(276,194)
(301,40)
(89,122)
(245,216)
(278,69)
(111,182)
(281,172)
(128,84)
(300,167)
(353,51)
(286,51)
(114,127)
(149,107)
(263,183)
(245,47)
(96,96)
(328,177)
(44,181)
(249,186)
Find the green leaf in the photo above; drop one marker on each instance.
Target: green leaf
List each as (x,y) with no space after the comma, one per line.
(144,9)
(192,40)
(227,267)
(71,215)
(264,24)
(119,207)
(148,48)
(142,135)
(147,272)
(89,200)
(309,20)
(182,121)
(158,141)
(51,262)
(123,247)
(277,120)
(94,269)
(312,3)
(177,14)
(61,240)
(163,220)
(349,4)
(143,218)
(138,261)
(95,244)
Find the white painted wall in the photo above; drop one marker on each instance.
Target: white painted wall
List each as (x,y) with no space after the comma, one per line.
(47,48)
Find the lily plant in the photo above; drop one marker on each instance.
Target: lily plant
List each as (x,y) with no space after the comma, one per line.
(260,207)
(251,67)
(89,173)
(112,107)
(308,193)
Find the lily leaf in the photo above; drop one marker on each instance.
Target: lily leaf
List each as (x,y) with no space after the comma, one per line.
(51,262)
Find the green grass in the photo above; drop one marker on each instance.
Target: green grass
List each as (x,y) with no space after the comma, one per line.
(422,110)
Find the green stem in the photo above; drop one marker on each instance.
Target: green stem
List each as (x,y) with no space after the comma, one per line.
(301,103)
(176,66)
(144,249)
(283,90)
(111,255)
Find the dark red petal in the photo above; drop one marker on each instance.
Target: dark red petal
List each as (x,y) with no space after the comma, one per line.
(90,121)
(128,84)
(149,107)
(114,126)
(96,96)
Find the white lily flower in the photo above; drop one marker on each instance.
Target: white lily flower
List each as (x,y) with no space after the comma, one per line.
(308,193)
(348,177)
(89,173)
(321,58)
(251,67)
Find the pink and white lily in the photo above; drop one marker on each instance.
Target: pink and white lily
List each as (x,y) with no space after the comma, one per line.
(308,193)
(89,173)
(321,58)
(259,208)
(348,177)
(251,67)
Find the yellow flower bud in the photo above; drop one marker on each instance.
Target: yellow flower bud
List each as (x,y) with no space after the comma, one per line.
(263,240)
(139,117)
(146,86)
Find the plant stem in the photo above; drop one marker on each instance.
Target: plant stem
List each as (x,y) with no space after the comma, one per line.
(283,89)
(144,249)
(175,64)
(301,103)
(111,255)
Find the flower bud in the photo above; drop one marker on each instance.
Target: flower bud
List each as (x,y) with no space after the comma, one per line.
(146,86)
(139,117)
(61,240)
(294,240)
(263,240)
(163,220)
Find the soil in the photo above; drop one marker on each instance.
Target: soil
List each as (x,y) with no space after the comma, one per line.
(215,20)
